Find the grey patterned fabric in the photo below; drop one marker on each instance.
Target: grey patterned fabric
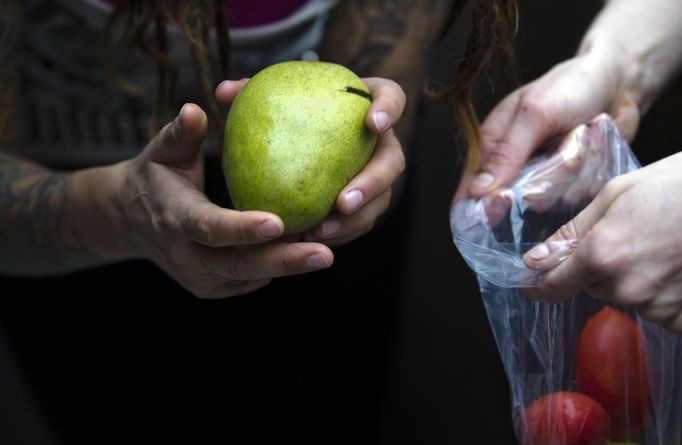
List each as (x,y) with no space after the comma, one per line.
(73,112)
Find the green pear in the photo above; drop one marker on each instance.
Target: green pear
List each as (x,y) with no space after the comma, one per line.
(295,136)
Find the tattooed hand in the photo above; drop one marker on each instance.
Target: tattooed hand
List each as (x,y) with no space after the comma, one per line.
(212,251)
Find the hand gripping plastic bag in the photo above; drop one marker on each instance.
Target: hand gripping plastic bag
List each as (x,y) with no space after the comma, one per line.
(580,371)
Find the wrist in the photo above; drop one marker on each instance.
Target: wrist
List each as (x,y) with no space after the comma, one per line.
(100,214)
(640,42)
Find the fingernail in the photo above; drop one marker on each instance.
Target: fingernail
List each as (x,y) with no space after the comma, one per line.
(221,84)
(182,109)
(538,252)
(269,228)
(353,200)
(330,227)
(381,120)
(317,261)
(483,181)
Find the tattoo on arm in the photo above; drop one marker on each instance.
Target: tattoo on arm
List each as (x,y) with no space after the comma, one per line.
(387,38)
(37,237)
(378,28)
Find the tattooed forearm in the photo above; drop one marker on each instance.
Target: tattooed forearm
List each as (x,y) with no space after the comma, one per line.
(375,36)
(37,236)
(387,38)
(385,24)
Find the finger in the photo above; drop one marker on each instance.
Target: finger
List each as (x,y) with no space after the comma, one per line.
(386,164)
(591,176)
(493,129)
(504,154)
(568,237)
(211,225)
(337,227)
(626,115)
(569,248)
(226,92)
(388,103)
(553,178)
(496,206)
(463,187)
(268,260)
(179,142)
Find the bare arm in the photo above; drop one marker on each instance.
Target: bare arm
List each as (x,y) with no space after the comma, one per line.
(56,222)
(46,217)
(389,39)
(642,39)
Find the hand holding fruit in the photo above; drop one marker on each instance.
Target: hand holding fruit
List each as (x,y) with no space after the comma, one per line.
(212,251)
(301,140)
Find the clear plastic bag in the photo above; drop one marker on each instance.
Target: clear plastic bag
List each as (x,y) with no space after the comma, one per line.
(580,372)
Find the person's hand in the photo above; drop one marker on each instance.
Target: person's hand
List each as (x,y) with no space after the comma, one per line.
(568,95)
(368,194)
(574,172)
(212,251)
(624,248)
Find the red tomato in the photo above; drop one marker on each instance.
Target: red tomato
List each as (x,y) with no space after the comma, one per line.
(610,367)
(565,418)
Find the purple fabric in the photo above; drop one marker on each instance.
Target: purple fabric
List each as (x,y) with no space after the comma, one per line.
(249,13)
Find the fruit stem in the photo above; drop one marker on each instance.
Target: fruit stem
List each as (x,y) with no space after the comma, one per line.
(358,92)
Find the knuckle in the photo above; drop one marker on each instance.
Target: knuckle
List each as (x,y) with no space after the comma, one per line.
(613,187)
(568,231)
(289,263)
(165,221)
(606,253)
(490,134)
(502,153)
(199,228)
(234,267)
(243,233)
(400,99)
(632,295)
(537,109)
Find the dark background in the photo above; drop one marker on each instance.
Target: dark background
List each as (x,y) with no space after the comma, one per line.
(390,346)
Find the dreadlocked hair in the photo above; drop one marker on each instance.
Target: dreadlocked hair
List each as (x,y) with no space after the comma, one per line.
(494,24)
(128,29)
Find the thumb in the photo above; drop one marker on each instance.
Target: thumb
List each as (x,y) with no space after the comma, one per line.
(508,148)
(571,272)
(179,142)
(564,241)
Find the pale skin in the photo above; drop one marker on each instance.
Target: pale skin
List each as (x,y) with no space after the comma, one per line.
(154,206)
(624,247)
